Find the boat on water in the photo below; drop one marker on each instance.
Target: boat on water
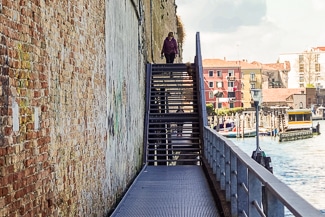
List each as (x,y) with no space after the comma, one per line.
(298,125)
(235,134)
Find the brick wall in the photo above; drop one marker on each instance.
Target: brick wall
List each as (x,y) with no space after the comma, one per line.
(72,101)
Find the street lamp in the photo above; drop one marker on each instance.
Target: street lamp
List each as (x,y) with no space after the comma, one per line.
(217,94)
(257,99)
(259,155)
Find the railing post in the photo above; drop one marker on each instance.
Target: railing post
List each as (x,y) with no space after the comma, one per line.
(207,148)
(227,172)
(233,184)
(242,188)
(271,205)
(217,162)
(222,166)
(206,135)
(214,155)
(254,195)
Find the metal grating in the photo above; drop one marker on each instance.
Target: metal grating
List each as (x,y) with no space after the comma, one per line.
(168,191)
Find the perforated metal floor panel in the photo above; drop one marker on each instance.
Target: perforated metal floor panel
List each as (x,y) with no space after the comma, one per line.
(168,191)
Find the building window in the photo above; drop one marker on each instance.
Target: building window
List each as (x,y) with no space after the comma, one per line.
(210,84)
(219,84)
(230,84)
(301,67)
(211,96)
(252,85)
(230,72)
(231,95)
(301,79)
(219,74)
(301,58)
(210,73)
(301,85)
(317,67)
(231,105)
(219,105)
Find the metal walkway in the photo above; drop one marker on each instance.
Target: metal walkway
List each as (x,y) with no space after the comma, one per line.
(169,191)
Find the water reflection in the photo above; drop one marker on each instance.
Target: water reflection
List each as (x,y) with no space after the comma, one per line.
(299,164)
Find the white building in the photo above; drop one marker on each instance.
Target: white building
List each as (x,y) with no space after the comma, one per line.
(307,68)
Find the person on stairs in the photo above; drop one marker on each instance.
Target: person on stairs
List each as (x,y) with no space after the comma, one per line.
(170,48)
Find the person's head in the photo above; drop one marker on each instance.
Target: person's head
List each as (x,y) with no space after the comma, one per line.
(170,35)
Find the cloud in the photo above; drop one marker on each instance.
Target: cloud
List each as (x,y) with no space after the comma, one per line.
(222,15)
(256,30)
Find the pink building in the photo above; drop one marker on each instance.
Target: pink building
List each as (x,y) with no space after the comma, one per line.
(222,79)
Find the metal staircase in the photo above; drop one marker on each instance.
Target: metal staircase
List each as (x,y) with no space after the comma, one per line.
(171,87)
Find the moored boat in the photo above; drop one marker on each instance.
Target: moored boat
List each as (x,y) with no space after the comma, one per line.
(234,133)
(299,125)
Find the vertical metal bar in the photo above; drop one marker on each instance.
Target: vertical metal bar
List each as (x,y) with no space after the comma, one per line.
(271,205)
(217,159)
(227,172)
(242,194)
(210,144)
(222,166)
(255,194)
(233,184)
(206,136)
(214,155)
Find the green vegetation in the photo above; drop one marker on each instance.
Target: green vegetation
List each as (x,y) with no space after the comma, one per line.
(223,111)
(210,109)
(180,30)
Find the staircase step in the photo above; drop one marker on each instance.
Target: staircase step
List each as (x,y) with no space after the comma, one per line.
(175,149)
(176,67)
(170,84)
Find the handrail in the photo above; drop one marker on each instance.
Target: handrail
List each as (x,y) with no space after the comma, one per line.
(249,187)
(199,78)
(146,118)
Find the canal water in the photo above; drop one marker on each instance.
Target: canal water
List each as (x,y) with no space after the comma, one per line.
(299,164)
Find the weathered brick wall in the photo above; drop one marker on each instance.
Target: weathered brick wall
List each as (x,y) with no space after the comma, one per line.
(72,102)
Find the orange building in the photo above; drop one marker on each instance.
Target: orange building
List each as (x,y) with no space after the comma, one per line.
(222,83)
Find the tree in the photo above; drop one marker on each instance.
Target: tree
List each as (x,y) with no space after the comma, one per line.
(308,68)
(210,108)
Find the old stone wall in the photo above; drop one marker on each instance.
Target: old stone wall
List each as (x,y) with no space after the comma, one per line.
(72,101)
(160,18)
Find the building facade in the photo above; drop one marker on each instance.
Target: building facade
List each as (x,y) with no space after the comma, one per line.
(222,83)
(307,68)
(251,78)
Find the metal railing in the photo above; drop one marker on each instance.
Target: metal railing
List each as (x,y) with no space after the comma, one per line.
(200,80)
(250,189)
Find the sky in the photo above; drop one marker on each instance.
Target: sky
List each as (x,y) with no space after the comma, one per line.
(254,30)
